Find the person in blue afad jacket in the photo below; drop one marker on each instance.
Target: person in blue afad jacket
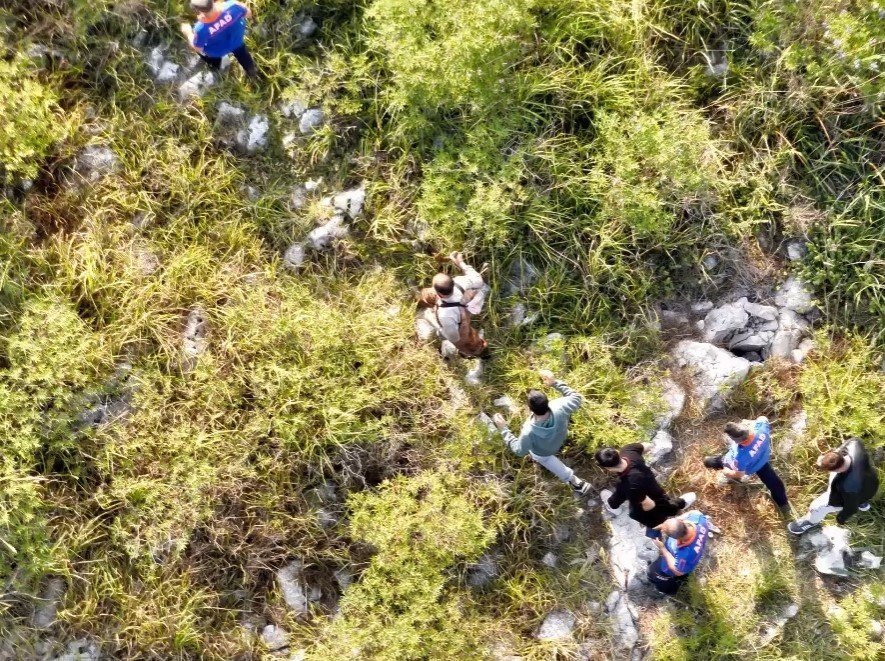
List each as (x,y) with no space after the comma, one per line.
(748,454)
(220,30)
(684,544)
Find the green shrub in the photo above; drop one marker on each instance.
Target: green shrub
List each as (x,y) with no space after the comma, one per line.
(403,606)
(32,121)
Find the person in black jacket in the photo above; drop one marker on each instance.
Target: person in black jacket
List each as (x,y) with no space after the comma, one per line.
(649,504)
(853,483)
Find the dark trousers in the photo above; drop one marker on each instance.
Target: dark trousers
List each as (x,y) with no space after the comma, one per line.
(243,57)
(769,478)
(664,583)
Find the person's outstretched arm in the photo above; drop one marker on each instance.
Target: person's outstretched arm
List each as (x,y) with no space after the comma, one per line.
(247,8)
(573,399)
(518,446)
(472,277)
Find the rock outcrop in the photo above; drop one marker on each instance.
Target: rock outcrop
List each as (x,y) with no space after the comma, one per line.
(714,372)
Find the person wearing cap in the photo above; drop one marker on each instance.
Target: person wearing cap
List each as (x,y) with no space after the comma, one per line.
(749,453)
(853,483)
(220,30)
(546,429)
(684,544)
(649,503)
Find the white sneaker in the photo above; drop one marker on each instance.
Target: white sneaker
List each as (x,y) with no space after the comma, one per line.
(690,498)
(864,508)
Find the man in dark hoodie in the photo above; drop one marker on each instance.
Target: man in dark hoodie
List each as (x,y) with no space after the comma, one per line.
(853,483)
(649,504)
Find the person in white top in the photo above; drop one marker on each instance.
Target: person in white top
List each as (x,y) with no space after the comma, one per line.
(453,301)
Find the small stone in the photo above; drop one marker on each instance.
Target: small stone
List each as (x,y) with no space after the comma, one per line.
(717,63)
(505,402)
(869,560)
(702,307)
(289,579)
(323,236)
(254,137)
(312,185)
(311,121)
(662,446)
(795,295)
(558,625)
(561,533)
(474,376)
(876,630)
(483,572)
(796,250)
(298,198)
(306,27)
(194,334)
(344,578)
(168,73)
(674,399)
(550,560)
(805,347)
(784,343)
(229,116)
(722,323)
(710,262)
(294,256)
(275,638)
(350,201)
(293,109)
(196,86)
(45,613)
(95,162)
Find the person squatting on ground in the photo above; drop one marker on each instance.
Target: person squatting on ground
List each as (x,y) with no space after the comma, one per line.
(853,483)
(685,541)
(220,30)
(454,301)
(649,504)
(546,429)
(749,454)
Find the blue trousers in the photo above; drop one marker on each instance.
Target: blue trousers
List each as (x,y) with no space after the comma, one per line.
(769,478)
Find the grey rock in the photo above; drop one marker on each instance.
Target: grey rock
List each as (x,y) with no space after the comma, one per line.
(561,533)
(717,63)
(323,237)
(194,334)
(298,198)
(831,545)
(484,571)
(350,201)
(45,613)
(674,400)
(505,402)
(714,372)
(784,343)
(800,353)
(753,356)
(623,617)
(702,307)
(254,137)
(522,275)
(796,250)
(294,256)
(196,86)
(293,109)
(549,560)
(774,628)
(291,583)
(795,432)
(673,318)
(229,116)
(147,261)
(81,650)
(710,262)
(168,73)
(344,578)
(868,560)
(795,295)
(722,323)
(558,625)
(275,638)
(483,419)
(311,121)
(312,185)
(474,375)
(662,446)
(95,162)
(306,27)
(876,630)
(791,320)
(519,316)
(760,312)
(629,550)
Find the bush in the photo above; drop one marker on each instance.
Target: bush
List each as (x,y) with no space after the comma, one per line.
(32,121)
(403,607)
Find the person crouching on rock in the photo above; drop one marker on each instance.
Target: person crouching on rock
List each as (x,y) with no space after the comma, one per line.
(749,454)
(220,30)
(684,544)
(649,504)
(454,301)
(546,430)
(853,483)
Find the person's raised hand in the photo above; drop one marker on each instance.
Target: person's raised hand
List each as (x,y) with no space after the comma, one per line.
(547,377)
(659,544)
(499,421)
(457,258)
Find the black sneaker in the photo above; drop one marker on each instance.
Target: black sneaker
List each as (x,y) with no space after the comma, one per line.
(800,527)
(580,487)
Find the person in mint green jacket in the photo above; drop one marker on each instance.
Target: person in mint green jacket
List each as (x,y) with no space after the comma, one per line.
(546,429)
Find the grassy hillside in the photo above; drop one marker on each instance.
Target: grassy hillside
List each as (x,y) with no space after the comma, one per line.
(634,152)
